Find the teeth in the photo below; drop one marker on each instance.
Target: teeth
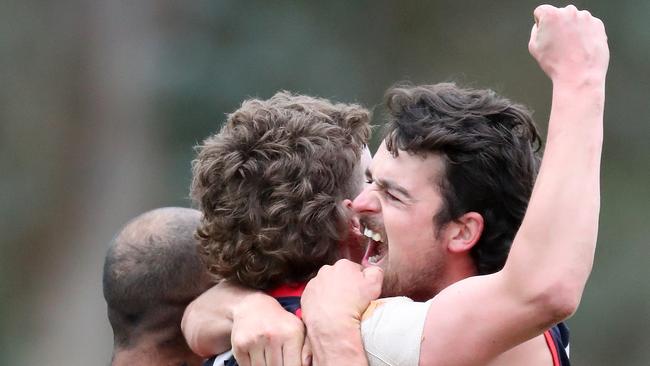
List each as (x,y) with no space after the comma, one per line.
(374,259)
(372,235)
(367,232)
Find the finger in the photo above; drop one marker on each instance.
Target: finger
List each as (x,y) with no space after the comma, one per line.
(348,265)
(306,353)
(541,11)
(257,357)
(241,349)
(571,7)
(243,359)
(324,269)
(273,355)
(292,351)
(344,263)
(373,274)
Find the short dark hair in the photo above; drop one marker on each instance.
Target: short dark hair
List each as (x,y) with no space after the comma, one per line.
(270,184)
(152,271)
(489,146)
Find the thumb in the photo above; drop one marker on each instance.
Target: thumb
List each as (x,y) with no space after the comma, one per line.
(306,353)
(374,275)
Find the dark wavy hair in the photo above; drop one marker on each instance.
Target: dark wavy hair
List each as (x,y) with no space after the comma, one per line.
(270,185)
(490,147)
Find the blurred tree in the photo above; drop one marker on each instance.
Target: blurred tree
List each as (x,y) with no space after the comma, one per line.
(102,103)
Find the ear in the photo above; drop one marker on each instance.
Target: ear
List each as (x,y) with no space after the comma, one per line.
(465,232)
(353,246)
(346,206)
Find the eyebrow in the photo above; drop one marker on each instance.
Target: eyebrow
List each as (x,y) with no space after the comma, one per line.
(389,185)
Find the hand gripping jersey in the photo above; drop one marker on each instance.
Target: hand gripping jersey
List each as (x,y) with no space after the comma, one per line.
(288,296)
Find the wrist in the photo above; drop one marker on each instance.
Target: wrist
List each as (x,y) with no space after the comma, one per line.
(337,344)
(250,301)
(331,328)
(581,97)
(581,81)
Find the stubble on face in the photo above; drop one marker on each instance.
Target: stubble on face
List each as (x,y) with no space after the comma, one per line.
(417,282)
(419,260)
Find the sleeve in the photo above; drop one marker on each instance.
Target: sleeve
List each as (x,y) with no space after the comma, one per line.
(391,329)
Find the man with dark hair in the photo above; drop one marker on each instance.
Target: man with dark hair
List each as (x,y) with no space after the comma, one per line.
(151,272)
(449,189)
(446,193)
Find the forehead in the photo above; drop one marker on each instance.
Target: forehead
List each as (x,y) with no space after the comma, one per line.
(415,173)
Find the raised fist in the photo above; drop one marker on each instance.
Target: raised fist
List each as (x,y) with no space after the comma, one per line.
(570,45)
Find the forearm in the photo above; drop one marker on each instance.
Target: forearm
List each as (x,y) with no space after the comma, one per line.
(207,321)
(560,228)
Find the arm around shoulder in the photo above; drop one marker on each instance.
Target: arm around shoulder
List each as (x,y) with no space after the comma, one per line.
(207,321)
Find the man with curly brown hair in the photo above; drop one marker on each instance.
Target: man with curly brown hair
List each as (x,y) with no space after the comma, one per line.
(274,187)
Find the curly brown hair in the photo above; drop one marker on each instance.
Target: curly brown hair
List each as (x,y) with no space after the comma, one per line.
(270,185)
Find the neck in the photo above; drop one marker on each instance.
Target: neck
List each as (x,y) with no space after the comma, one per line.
(458,268)
(150,354)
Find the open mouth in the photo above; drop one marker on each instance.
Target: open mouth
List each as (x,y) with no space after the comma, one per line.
(376,250)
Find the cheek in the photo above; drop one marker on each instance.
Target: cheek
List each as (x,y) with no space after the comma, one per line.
(410,236)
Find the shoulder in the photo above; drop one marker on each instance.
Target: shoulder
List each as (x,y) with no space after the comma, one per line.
(392,331)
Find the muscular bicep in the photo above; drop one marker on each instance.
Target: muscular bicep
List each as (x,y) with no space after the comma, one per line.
(475,320)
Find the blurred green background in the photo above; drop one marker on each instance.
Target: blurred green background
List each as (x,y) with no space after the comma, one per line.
(102,102)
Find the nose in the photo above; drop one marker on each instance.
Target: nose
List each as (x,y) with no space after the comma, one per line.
(366,201)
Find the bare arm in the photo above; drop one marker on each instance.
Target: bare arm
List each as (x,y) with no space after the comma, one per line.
(551,258)
(552,254)
(207,321)
(262,331)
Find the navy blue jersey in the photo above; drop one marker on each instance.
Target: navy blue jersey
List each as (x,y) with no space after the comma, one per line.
(288,297)
(557,339)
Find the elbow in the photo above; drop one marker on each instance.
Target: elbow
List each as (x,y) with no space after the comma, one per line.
(558,302)
(190,331)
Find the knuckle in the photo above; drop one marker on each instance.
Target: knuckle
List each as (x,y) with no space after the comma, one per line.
(264,337)
(324,269)
(241,343)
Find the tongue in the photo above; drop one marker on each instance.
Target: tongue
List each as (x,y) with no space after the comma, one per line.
(371,250)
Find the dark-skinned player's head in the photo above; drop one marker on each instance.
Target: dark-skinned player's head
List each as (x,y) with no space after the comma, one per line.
(152,271)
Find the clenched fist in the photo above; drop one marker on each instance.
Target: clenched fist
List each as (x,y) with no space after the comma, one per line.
(570,45)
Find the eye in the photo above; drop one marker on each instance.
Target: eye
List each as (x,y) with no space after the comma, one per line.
(368,180)
(390,197)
